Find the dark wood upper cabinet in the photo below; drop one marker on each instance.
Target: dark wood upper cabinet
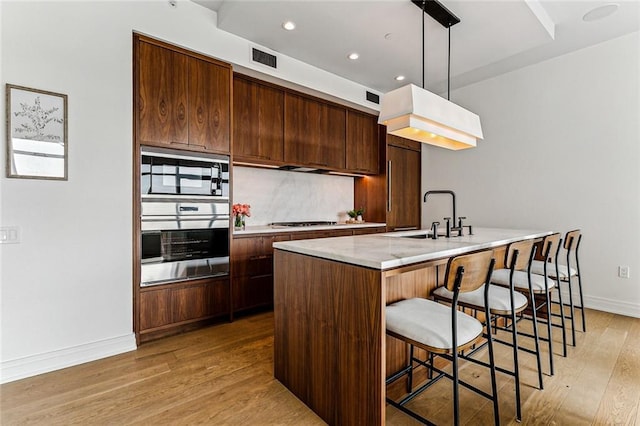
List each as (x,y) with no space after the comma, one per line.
(277,126)
(258,121)
(183,98)
(209,105)
(314,132)
(362,143)
(162,100)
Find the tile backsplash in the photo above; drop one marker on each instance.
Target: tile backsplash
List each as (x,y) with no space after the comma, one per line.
(281,196)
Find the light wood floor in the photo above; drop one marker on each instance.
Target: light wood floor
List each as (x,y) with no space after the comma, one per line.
(223,375)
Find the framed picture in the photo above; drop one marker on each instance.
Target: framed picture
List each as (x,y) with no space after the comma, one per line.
(36,134)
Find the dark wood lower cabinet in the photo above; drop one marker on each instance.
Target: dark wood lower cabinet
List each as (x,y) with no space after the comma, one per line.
(252,292)
(252,264)
(252,271)
(365,231)
(174,308)
(321,234)
(155,308)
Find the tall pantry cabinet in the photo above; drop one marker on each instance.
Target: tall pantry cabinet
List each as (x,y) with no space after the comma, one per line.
(393,196)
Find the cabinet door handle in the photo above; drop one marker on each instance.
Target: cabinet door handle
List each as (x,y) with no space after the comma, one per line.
(389,186)
(258,277)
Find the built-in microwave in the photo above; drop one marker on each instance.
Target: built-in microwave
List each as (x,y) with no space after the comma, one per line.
(171,173)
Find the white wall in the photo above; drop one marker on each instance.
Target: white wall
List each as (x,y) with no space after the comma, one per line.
(279,196)
(561,151)
(66,289)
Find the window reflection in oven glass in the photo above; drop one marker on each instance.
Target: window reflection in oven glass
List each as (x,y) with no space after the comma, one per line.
(186,244)
(173,177)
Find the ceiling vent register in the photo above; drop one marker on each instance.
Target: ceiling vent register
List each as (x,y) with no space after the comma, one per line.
(264,58)
(372,97)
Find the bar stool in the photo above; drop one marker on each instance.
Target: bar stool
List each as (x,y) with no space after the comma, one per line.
(548,266)
(531,285)
(444,331)
(566,274)
(504,302)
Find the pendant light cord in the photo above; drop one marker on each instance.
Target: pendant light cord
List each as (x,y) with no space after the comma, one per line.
(449,68)
(424,3)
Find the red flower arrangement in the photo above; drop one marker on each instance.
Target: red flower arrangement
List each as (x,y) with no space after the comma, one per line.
(239,211)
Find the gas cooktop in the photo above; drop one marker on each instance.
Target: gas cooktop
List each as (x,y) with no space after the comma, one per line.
(305,223)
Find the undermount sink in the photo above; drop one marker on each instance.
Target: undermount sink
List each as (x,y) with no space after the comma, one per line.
(421,235)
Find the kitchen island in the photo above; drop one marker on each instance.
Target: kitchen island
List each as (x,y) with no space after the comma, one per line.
(330,346)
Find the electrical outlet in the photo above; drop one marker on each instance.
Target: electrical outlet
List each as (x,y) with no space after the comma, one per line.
(624,271)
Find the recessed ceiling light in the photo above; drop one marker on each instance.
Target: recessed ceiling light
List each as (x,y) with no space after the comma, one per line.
(353,56)
(600,12)
(400,78)
(288,25)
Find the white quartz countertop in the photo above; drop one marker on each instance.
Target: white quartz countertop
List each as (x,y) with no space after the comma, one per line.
(393,249)
(273,229)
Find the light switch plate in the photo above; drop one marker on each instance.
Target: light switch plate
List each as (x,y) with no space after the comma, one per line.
(9,235)
(624,272)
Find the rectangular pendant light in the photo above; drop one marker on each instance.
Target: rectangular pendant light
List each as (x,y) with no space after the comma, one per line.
(414,113)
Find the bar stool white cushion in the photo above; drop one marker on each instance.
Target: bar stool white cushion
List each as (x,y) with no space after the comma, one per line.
(499,298)
(537,267)
(520,280)
(427,322)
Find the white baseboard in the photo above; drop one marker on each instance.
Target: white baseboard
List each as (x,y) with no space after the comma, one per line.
(614,306)
(55,360)
(606,305)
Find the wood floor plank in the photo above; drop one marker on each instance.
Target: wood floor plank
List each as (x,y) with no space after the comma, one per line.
(580,378)
(540,409)
(224,375)
(41,402)
(619,404)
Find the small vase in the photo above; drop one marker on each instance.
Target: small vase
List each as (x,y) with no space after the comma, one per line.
(359,218)
(238,223)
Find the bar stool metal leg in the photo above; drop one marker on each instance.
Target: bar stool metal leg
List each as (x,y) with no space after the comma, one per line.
(536,337)
(562,317)
(581,307)
(549,332)
(516,368)
(573,313)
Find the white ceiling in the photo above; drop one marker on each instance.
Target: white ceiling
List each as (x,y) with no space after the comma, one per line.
(492,38)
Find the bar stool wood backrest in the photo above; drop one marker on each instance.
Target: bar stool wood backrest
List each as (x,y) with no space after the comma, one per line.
(468,272)
(524,250)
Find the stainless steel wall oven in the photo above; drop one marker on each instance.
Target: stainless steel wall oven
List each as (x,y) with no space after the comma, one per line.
(184,216)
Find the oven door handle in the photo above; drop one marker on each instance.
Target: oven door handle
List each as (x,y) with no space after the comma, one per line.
(157,223)
(183,218)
